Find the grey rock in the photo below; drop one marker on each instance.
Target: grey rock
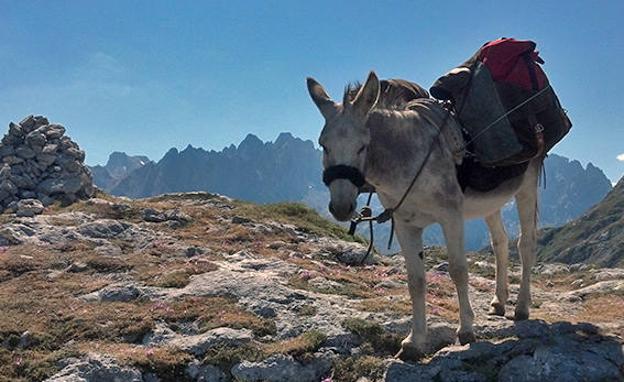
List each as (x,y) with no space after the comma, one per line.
(28,123)
(25,152)
(120,293)
(160,335)
(282,368)
(8,187)
(76,154)
(154,216)
(29,208)
(50,149)
(55,131)
(103,228)
(552,363)
(12,160)
(35,139)
(240,220)
(45,159)
(96,368)
(27,194)
(175,215)
(199,344)
(15,129)
(77,267)
(602,287)
(349,253)
(10,236)
(193,251)
(5,172)
(403,372)
(204,373)
(6,150)
(26,340)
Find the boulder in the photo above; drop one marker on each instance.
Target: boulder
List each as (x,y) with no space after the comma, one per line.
(29,208)
(282,368)
(95,368)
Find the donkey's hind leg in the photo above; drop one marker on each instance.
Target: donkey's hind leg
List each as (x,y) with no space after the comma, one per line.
(526,201)
(500,246)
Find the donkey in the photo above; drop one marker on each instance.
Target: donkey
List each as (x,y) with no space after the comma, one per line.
(386,147)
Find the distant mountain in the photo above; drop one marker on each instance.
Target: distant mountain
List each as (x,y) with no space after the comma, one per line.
(290,169)
(118,167)
(596,237)
(287,169)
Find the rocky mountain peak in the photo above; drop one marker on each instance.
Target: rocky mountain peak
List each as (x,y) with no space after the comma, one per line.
(250,145)
(117,168)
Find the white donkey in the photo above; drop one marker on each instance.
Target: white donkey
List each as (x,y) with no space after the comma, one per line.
(362,139)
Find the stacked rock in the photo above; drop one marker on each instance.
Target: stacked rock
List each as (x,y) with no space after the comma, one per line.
(39,164)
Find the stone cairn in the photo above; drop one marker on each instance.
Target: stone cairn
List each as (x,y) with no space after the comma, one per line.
(39,165)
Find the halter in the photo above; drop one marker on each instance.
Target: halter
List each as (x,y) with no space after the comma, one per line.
(341,171)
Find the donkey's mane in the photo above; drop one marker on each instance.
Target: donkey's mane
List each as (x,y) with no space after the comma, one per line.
(394,94)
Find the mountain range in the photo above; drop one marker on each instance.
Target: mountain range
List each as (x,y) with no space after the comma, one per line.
(289,169)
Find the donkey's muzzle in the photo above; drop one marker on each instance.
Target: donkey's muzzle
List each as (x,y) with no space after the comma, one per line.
(341,171)
(342,212)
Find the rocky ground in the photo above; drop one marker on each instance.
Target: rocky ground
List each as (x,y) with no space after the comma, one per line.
(197,287)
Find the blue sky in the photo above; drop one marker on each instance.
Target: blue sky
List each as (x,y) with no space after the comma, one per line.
(143,76)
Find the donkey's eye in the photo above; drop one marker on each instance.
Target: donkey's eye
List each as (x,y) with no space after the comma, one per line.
(361,150)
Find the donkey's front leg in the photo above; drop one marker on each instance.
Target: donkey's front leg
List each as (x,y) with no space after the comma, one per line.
(410,238)
(458,269)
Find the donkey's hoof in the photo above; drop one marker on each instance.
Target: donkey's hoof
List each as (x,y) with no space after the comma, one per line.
(497,310)
(409,353)
(520,315)
(466,337)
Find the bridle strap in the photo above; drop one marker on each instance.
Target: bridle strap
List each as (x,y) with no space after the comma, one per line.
(341,171)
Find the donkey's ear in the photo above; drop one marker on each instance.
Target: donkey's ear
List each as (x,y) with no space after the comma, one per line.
(367,97)
(321,98)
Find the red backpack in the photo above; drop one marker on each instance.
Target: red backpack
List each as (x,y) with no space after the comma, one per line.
(515,62)
(504,101)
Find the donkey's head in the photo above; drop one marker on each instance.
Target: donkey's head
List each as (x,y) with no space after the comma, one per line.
(345,139)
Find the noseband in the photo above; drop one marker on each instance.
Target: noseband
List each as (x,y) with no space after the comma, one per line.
(342,171)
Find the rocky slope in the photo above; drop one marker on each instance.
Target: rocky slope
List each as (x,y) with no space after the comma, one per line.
(596,237)
(198,287)
(118,167)
(289,169)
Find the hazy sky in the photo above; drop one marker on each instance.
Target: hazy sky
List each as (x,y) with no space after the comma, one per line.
(143,76)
